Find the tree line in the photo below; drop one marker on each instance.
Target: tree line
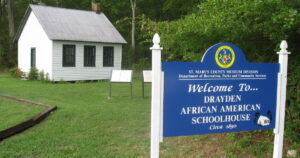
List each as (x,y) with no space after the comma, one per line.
(125,15)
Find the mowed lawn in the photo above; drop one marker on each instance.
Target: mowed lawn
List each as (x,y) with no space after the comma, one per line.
(87,124)
(13,112)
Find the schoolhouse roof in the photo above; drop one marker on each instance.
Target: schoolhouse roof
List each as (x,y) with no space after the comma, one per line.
(73,25)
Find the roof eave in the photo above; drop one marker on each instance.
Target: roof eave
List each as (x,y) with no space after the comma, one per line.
(123,42)
(22,24)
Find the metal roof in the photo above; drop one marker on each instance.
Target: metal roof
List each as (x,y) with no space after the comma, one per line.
(73,25)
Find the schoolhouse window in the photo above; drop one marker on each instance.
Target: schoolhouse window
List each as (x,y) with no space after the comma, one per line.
(108,56)
(89,56)
(68,55)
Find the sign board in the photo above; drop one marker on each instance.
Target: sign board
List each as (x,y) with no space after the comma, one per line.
(222,93)
(147,76)
(121,76)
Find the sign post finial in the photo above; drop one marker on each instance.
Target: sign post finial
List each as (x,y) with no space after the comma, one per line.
(156,41)
(283,48)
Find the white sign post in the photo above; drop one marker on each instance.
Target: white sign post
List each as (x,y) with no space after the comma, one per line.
(281,97)
(156,97)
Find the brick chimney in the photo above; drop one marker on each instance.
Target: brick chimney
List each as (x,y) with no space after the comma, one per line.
(96,7)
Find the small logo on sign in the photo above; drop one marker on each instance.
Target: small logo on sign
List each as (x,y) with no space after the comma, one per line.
(225,56)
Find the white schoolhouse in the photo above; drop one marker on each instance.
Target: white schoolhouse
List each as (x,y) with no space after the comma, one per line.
(68,44)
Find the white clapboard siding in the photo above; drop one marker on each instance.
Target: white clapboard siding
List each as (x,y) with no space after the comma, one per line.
(33,35)
(79,72)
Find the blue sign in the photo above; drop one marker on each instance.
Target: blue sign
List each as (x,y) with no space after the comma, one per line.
(223,93)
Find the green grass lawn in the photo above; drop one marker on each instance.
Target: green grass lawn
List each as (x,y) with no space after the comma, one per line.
(88,124)
(13,112)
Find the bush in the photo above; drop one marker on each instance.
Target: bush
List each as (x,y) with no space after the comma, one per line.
(16,72)
(33,74)
(142,64)
(42,75)
(47,77)
(12,71)
(292,128)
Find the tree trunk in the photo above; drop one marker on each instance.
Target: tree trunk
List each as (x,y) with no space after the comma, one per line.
(133,6)
(12,55)
(2,8)
(10,18)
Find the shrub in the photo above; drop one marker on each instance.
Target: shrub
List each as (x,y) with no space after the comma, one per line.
(142,64)
(292,128)
(12,70)
(16,72)
(33,74)
(47,79)
(42,75)
(62,81)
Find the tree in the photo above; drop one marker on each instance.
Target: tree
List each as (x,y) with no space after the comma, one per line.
(7,22)
(10,18)
(133,8)
(255,26)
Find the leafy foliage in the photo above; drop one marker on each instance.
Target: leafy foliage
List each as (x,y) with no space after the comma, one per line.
(33,74)
(256,26)
(292,128)
(16,72)
(41,75)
